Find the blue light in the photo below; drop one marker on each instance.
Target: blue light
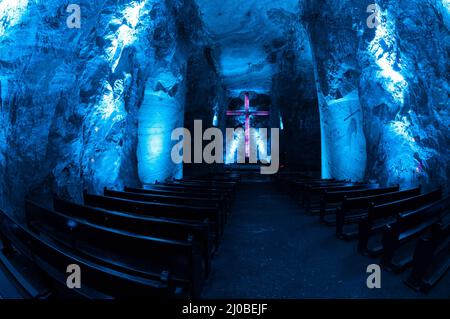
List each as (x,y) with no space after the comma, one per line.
(384,51)
(281,123)
(126,34)
(11,12)
(215,122)
(155,144)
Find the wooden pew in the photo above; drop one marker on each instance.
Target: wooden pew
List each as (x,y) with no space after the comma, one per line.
(380,215)
(203,183)
(313,194)
(196,188)
(184,212)
(168,199)
(207,204)
(207,182)
(335,199)
(353,209)
(19,284)
(124,251)
(174,229)
(431,258)
(229,189)
(219,197)
(98,281)
(296,186)
(407,227)
(300,189)
(216,178)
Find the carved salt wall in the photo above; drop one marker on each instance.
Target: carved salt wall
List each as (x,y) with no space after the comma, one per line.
(383,91)
(77,104)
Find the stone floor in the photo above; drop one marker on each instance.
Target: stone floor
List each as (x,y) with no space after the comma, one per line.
(271,249)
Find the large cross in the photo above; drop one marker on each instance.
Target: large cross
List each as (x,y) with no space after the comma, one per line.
(247,112)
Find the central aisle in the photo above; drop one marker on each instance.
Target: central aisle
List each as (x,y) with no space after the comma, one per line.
(271,249)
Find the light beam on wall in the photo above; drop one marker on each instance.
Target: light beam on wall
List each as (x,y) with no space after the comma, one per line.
(11,12)
(385,53)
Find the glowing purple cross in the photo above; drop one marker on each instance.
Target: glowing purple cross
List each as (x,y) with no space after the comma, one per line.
(247,114)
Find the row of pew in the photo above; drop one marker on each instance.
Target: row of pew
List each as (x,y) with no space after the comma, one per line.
(405,228)
(151,242)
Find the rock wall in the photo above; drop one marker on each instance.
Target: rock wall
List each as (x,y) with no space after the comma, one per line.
(383,91)
(294,100)
(74,100)
(334,45)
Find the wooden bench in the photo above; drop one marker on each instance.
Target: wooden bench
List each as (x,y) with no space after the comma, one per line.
(208,182)
(298,187)
(220,198)
(192,188)
(313,194)
(206,203)
(98,281)
(235,178)
(174,229)
(379,215)
(124,251)
(169,199)
(431,258)
(229,189)
(184,212)
(293,185)
(17,283)
(353,209)
(408,226)
(336,198)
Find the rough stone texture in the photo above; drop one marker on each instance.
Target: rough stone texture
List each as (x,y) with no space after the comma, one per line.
(295,100)
(334,44)
(405,94)
(383,92)
(93,107)
(70,98)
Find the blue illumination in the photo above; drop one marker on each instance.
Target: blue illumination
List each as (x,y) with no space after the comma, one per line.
(155,144)
(215,122)
(11,12)
(72,224)
(343,140)
(126,34)
(159,116)
(281,123)
(384,50)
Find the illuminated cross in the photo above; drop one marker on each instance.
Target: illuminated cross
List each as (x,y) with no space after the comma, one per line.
(247,114)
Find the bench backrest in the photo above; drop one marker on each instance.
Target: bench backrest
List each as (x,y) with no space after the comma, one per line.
(170,199)
(216,196)
(404,205)
(185,190)
(333,197)
(195,187)
(143,253)
(428,214)
(365,202)
(100,281)
(323,189)
(151,209)
(148,226)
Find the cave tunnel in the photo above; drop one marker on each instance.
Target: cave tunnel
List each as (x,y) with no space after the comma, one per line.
(289,139)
